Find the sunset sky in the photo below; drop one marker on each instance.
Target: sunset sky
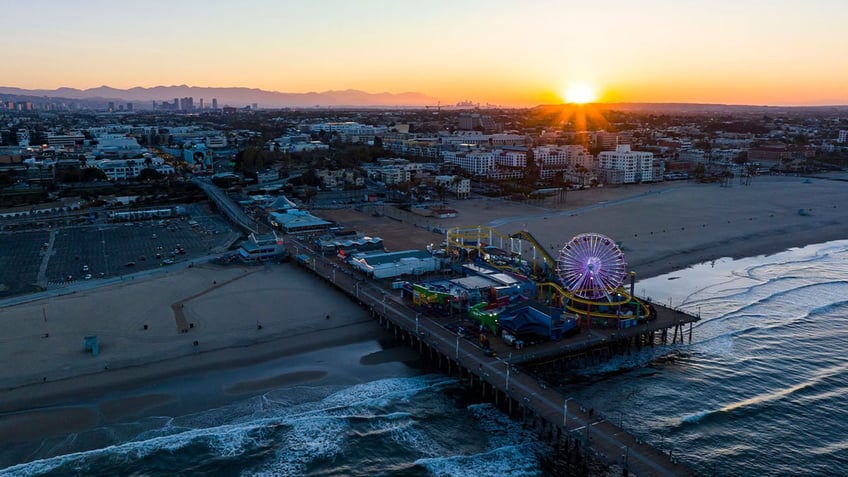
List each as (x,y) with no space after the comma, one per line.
(775,52)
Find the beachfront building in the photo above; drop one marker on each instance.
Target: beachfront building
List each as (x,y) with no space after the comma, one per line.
(294,221)
(333,245)
(458,186)
(478,163)
(624,166)
(261,247)
(395,264)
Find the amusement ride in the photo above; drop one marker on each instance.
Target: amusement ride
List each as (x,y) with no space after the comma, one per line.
(586,280)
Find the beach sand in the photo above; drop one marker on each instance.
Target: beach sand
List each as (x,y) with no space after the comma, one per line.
(669,226)
(225,305)
(661,227)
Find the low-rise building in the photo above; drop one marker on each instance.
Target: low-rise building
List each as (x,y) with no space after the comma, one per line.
(395,264)
(261,247)
(459,186)
(298,221)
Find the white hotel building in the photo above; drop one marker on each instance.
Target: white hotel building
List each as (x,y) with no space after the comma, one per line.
(552,160)
(624,166)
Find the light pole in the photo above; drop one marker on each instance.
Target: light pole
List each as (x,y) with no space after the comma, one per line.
(416,323)
(356,287)
(508,362)
(457,345)
(565,414)
(384,304)
(334,275)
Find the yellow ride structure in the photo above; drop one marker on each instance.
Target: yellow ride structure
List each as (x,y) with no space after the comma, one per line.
(520,251)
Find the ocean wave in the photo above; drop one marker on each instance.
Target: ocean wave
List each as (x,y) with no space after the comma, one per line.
(696,417)
(310,430)
(828,309)
(636,359)
(513,461)
(820,377)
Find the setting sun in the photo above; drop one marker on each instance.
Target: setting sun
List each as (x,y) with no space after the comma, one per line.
(580,93)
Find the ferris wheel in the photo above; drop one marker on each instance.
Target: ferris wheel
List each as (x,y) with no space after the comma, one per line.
(591,266)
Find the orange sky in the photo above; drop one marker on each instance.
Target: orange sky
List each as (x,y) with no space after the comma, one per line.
(776,52)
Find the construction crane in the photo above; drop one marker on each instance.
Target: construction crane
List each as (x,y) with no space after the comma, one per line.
(438,108)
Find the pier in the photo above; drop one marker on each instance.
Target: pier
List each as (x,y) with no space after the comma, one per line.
(562,421)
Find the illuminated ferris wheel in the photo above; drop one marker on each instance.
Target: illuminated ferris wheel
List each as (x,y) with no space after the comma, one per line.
(591,266)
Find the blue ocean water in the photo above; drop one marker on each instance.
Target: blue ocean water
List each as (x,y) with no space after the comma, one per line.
(759,391)
(359,420)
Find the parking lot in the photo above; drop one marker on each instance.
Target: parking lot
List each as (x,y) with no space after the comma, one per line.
(103,249)
(20,259)
(120,249)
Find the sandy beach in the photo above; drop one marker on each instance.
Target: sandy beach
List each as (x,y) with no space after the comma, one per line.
(668,226)
(248,314)
(225,305)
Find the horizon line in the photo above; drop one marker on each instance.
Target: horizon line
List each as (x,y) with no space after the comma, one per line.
(450,104)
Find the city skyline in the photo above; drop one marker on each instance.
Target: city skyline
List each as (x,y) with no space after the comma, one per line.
(761,53)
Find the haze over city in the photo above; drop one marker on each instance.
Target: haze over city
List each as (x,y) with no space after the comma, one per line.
(497,52)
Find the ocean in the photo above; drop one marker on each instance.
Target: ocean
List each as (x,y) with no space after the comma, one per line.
(759,391)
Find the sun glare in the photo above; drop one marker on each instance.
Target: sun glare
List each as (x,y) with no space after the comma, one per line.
(580,93)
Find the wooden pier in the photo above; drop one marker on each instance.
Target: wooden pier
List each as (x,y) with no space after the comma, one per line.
(570,427)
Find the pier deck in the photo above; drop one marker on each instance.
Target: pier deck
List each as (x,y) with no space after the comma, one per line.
(517,389)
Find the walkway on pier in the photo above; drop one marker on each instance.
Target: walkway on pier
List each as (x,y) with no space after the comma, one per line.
(613,444)
(225,204)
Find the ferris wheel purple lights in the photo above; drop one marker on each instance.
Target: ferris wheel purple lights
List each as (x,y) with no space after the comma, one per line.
(591,266)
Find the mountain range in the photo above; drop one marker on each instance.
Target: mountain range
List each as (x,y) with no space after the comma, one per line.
(236,97)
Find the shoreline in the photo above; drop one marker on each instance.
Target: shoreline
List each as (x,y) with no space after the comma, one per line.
(661,233)
(780,243)
(226,304)
(36,396)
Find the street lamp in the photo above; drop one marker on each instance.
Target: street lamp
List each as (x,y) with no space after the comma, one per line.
(565,414)
(508,362)
(416,323)
(457,345)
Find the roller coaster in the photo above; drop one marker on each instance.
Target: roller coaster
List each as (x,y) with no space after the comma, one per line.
(519,253)
(585,280)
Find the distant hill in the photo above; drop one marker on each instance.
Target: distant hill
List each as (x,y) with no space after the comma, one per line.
(237,97)
(696,109)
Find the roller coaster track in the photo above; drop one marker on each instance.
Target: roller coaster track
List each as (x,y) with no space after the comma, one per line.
(537,248)
(581,306)
(478,237)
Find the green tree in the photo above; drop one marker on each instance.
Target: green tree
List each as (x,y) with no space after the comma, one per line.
(531,169)
(90,174)
(149,174)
